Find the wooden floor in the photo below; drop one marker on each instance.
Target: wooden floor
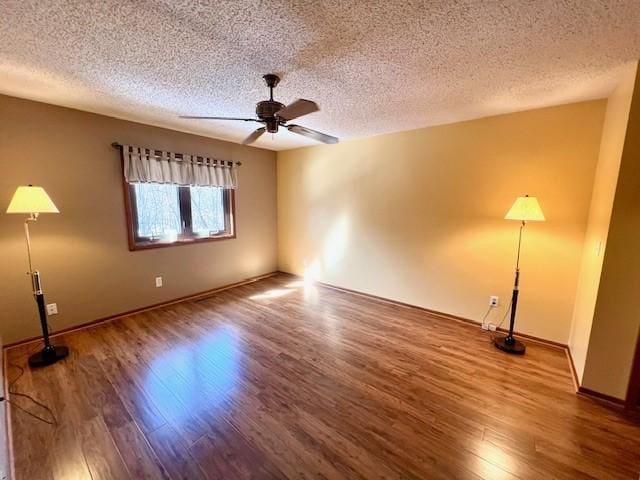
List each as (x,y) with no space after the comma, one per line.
(274,380)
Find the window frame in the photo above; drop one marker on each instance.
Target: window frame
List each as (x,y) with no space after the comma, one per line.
(187,238)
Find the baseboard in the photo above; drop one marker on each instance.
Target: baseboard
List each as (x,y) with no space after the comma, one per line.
(435,313)
(572,367)
(8,467)
(147,308)
(587,392)
(533,338)
(600,396)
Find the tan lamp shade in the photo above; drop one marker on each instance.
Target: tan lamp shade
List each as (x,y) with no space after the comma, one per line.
(31,199)
(525,209)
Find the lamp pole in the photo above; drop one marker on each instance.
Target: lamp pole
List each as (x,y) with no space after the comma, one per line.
(508,343)
(514,295)
(50,353)
(49,350)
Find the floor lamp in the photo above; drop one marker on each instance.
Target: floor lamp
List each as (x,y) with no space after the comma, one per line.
(34,201)
(524,209)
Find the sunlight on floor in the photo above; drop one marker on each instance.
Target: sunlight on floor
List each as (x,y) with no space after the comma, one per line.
(185,378)
(273,293)
(490,457)
(309,290)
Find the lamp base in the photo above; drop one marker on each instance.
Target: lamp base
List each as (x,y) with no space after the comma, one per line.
(509,344)
(48,356)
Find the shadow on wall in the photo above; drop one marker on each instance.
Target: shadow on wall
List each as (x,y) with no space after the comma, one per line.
(331,252)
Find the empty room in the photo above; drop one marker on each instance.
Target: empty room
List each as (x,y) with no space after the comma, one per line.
(319,240)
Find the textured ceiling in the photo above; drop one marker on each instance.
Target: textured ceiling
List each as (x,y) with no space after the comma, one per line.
(372,66)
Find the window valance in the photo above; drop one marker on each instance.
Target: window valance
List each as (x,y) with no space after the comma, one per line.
(144,165)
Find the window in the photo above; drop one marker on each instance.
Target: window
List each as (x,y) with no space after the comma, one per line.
(162,215)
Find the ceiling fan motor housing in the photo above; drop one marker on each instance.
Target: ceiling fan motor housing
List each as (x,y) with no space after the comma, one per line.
(266,111)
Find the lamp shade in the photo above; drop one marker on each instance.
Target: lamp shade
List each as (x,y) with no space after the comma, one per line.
(31,199)
(525,209)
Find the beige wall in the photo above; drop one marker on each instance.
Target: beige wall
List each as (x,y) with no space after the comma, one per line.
(604,188)
(418,216)
(82,253)
(616,319)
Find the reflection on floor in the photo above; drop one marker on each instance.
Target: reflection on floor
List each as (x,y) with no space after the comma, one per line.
(283,379)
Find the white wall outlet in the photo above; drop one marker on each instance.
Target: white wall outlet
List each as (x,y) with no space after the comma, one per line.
(52,309)
(492,327)
(158,282)
(494,301)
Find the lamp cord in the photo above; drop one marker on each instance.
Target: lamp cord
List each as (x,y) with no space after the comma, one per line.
(12,391)
(484,318)
(504,317)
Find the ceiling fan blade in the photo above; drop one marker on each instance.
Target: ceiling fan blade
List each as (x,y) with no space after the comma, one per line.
(254,136)
(219,118)
(297,109)
(307,132)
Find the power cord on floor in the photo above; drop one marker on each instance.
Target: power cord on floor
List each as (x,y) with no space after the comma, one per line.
(484,318)
(11,390)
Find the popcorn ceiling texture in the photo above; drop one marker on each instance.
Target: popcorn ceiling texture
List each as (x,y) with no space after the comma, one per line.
(372,66)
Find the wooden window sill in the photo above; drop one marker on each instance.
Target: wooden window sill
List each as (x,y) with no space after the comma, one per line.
(186,241)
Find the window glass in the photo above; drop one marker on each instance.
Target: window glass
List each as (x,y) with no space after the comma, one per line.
(207,210)
(158,208)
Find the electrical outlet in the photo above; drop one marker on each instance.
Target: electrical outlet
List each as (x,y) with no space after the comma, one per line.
(492,327)
(158,282)
(494,301)
(485,326)
(52,309)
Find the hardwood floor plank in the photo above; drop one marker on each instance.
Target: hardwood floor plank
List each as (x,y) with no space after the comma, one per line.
(138,404)
(224,453)
(140,459)
(101,393)
(100,452)
(278,379)
(172,396)
(174,454)
(65,455)
(32,439)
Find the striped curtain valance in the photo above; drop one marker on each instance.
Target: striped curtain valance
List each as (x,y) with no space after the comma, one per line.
(144,165)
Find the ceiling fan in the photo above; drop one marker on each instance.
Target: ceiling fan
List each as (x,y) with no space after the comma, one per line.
(275,115)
